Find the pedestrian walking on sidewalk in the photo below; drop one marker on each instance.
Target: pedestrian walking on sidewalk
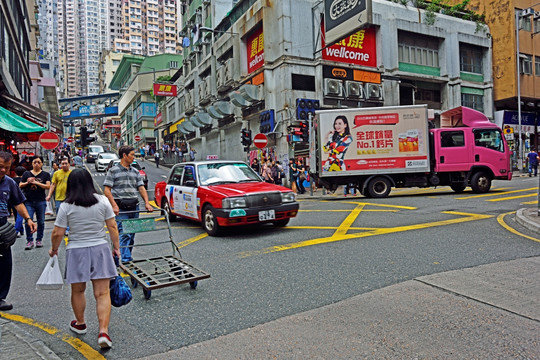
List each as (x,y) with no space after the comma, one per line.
(156,157)
(532,158)
(88,255)
(11,196)
(19,227)
(34,184)
(122,185)
(59,185)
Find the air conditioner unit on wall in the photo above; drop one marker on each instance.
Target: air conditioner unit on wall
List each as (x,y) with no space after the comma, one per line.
(202,90)
(220,76)
(374,92)
(208,86)
(354,90)
(333,87)
(228,70)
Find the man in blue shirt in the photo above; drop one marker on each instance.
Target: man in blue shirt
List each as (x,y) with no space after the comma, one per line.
(532,157)
(10,196)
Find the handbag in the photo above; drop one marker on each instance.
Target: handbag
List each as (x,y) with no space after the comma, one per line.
(127,204)
(51,277)
(119,290)
(8,235)
(48,209)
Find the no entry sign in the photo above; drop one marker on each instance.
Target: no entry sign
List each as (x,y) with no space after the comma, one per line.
(137,138)
(49,140)
(70,140)
(260,141)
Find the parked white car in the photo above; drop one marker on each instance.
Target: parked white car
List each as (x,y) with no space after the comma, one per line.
(104,159)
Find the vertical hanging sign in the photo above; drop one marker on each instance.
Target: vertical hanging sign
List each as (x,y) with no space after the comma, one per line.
(255,50)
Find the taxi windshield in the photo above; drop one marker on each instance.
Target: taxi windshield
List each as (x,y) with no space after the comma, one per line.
(225,173)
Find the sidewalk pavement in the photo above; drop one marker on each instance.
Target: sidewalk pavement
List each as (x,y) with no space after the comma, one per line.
(488,311)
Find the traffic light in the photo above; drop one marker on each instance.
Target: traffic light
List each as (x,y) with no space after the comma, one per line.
(246,137)
(304,128)
(306,106)
(85,139)
(267,119)
(84,135)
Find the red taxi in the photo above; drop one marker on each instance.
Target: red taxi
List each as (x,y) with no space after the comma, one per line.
(223,193)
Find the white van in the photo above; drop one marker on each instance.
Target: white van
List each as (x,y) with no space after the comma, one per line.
(93,151)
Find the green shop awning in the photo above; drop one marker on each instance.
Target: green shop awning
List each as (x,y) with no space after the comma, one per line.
(14,123)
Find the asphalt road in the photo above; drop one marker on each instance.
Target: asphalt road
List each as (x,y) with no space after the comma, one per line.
(336,248)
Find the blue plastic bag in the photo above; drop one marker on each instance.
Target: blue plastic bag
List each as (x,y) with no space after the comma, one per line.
(119,290)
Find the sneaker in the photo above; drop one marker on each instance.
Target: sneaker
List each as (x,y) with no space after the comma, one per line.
(104,341)
(29,245)
(39,244)
(4,306)
(77,328)
(19,235)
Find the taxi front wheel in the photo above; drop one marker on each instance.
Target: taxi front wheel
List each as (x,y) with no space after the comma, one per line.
(209,221)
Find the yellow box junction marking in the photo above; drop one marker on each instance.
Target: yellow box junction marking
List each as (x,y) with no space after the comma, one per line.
(86,350)
(496,193)
(341,231)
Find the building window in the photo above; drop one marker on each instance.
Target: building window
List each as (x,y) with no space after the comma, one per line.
(417,49)
(473,101)
(471,59)
(537,65)
(526,64)
(524,22)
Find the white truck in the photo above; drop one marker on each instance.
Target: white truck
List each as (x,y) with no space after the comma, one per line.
(378,148)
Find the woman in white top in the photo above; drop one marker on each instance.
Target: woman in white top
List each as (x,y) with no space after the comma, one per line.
(88,256)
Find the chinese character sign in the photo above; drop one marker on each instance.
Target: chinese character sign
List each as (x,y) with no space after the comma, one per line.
(255,50)
(165,90)
(358,49)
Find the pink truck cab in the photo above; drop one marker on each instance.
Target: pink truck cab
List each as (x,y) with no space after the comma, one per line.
(470,147)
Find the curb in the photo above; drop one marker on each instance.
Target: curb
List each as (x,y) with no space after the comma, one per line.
(22,338)
(522,218)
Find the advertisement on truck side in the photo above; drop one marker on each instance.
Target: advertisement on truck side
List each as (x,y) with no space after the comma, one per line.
(367,139)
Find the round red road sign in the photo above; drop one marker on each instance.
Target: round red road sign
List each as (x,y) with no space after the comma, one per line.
(49,140)
(70,140)
(260,141)
(137,138)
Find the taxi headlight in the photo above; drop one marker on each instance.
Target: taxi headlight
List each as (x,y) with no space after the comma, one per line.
(288,197)
(233,203)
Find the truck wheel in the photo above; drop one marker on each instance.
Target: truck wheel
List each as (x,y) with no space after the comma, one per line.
(379,187)
(209,221)
(165,206)
(480,182)
(459,187)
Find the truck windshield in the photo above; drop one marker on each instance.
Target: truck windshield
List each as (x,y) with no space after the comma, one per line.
(489,138)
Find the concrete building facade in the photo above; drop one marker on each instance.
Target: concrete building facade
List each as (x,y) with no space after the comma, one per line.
(265,55)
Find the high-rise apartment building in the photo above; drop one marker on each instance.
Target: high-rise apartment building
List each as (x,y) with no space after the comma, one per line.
(83,32)
(149,27)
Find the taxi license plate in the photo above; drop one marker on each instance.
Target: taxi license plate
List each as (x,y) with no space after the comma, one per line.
(267,215)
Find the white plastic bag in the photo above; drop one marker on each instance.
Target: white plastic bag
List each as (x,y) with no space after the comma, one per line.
(48,210)
(51,277)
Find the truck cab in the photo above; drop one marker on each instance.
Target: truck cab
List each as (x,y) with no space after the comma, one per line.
(468,144)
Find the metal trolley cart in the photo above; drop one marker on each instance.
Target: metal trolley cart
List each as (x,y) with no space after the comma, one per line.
(161,271)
